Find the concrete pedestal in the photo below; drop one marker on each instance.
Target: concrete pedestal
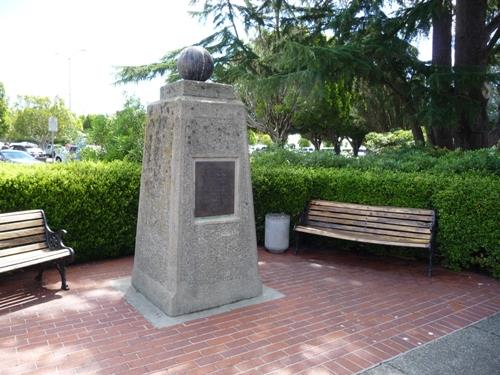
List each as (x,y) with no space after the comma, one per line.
(195,243)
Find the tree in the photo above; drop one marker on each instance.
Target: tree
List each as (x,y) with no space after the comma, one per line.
(304,142)
(272,110)
(442,111)
(4,112)
(31,115)
(458,104)
(251,137)
(325,114)
(250,66)
(97,128)
(125,138)
(476,41)
(289,43)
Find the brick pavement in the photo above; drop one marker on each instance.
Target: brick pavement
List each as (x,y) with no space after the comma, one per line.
(341,313)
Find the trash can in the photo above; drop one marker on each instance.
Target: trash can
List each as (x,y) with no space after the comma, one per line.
(277,233)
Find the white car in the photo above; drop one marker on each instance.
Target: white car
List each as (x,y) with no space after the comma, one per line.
(61,154)
(30,148)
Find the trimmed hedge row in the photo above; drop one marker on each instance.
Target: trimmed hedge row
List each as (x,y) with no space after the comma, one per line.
(97,203)
(408,160)
(467,206)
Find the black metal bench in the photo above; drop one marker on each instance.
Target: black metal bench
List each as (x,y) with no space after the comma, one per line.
(394,226)
(26,240)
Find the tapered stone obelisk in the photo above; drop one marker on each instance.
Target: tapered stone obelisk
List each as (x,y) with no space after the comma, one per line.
(195,244)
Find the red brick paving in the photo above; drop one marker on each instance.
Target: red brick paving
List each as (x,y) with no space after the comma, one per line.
(341,313)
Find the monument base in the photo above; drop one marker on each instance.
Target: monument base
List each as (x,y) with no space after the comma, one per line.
(161,320)
(188,300)
(196,244)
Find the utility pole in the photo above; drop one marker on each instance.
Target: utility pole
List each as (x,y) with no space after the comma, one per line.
(69,58)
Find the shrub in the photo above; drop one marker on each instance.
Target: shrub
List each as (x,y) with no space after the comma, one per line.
(467,206)
(95,202)
(468,217)
(410,159)
(377,142)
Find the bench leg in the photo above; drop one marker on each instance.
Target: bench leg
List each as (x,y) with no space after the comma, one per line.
(429,270)
(38,277)
(297,238)
(62,271)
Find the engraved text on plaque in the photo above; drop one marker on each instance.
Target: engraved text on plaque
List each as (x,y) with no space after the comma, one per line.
(214,188)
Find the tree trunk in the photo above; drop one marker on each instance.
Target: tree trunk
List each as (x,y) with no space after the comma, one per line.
(470,67)
(337,143)
(316,141)
(418,135)
(356,144)
(441,123)
(495,134)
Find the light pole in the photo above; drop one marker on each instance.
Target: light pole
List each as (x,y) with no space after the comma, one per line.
(69,74)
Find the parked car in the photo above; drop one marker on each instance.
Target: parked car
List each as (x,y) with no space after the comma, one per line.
(16,156)
(74,151)
(306,149)
(30,148)
(60,153)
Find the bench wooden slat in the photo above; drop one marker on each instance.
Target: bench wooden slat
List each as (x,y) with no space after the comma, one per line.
(21,225)
(369,224)
(26,215)
(368,238)
(21,233)
(24,241)
(418,211)
(362,229)
(394,226)
(390,215)
(14,213)
(37,257)
(419,224)
(21,257)
(21,241)
(23,249)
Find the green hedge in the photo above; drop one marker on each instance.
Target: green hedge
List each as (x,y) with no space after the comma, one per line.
(467,206)
(97,203)
(408,160)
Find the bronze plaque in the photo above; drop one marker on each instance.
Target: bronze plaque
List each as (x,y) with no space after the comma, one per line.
(214,188)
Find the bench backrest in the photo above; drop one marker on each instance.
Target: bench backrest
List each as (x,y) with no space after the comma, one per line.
(22,232)
(388,223)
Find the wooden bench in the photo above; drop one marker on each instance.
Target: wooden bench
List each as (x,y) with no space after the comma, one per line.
(394,226)
(26,240)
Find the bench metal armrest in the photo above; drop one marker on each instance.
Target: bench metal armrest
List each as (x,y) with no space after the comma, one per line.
(302,217)
(54,239)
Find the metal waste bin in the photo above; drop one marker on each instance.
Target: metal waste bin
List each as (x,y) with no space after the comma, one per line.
(277,233)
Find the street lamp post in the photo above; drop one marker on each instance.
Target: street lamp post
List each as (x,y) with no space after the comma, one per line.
(69,74)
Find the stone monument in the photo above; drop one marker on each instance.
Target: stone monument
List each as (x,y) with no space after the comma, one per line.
(195,244)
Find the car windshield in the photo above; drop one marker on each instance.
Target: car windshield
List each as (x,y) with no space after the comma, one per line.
(17,155)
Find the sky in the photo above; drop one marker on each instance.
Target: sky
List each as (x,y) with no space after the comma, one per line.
(72,48)
(43,40)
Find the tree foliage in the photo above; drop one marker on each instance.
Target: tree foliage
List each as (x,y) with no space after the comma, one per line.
(266,47)
(303,142)
(97,128)
(30,118)
(121,135)
(4,112)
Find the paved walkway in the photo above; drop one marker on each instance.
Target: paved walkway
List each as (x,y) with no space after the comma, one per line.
(340,314)
(472,350)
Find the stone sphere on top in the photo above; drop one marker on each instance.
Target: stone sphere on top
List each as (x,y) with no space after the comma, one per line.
(195,63)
